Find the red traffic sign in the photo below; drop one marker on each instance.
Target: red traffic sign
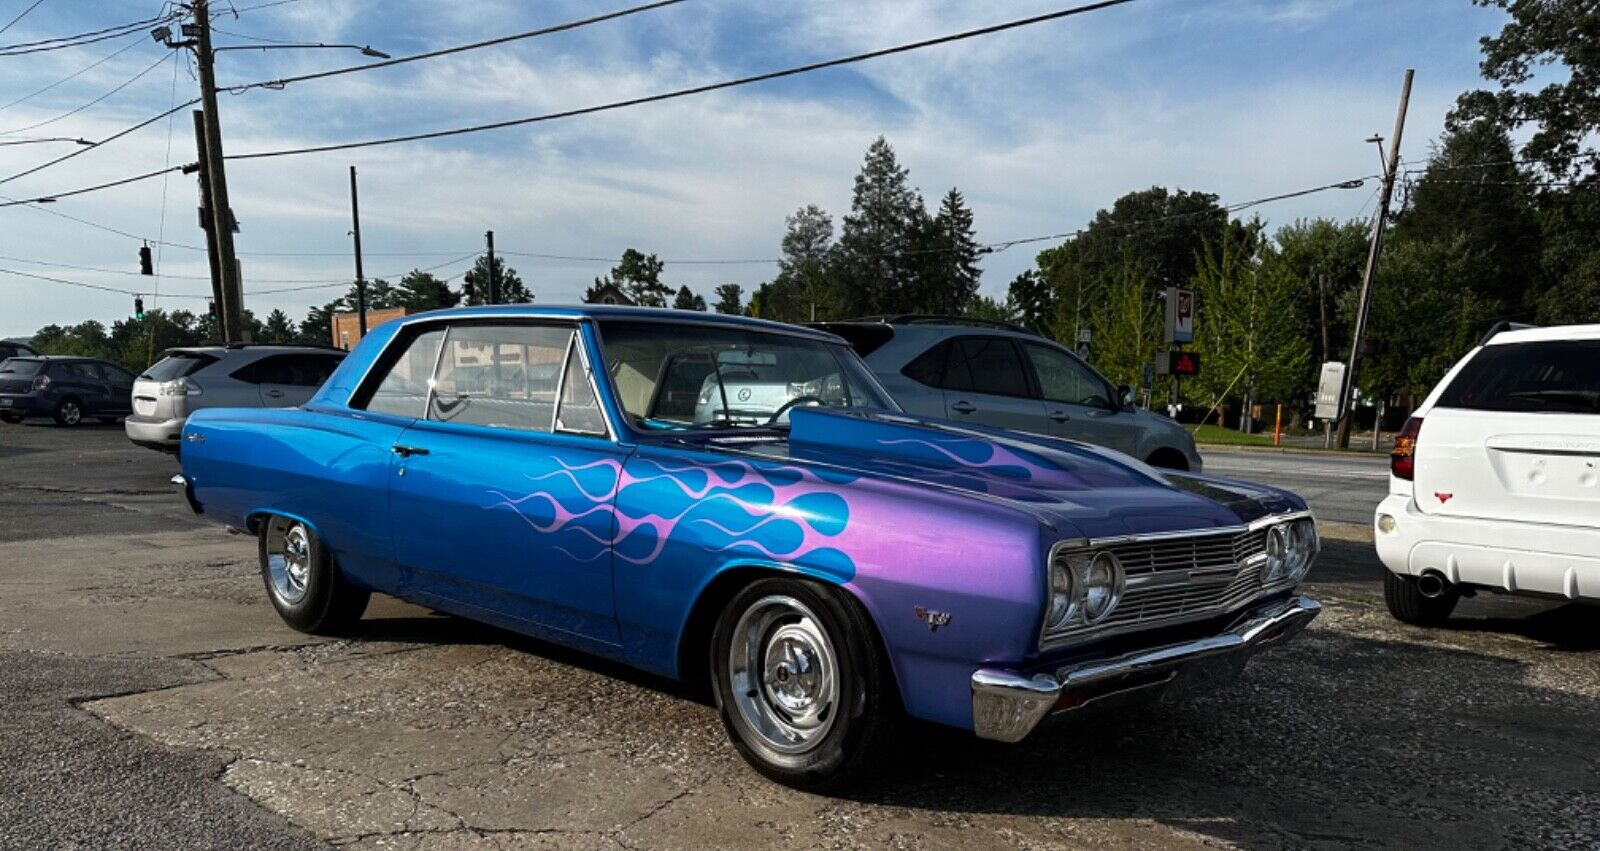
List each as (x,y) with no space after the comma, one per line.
(1184,363)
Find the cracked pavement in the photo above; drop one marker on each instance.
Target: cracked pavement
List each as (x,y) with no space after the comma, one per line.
(156,701)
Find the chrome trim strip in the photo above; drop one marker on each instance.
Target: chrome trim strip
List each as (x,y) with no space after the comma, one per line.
(1006,705)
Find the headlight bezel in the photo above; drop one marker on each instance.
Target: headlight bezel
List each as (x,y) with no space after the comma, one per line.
(1068,572)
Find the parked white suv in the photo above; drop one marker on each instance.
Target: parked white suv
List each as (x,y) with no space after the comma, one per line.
(1495,481)
(234,376)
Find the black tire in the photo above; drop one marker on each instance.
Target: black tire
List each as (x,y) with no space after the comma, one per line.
(326,604)
(68,412)
(866,704)
(1408,605)
(1169,459)
(12,418)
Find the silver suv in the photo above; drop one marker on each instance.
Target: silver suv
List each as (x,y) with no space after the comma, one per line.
(234,376)
(996,374)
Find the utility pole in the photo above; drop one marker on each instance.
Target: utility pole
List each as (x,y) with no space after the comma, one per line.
(494,280)
(1390,168)
(221,214)
(361,279)
(206,224)
(1322,309)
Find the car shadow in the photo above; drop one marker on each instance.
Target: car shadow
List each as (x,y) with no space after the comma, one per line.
(1335,740)
(1570,627)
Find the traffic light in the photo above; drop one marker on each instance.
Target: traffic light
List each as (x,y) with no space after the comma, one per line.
(211,310)
(138,307)
(466,291)
(146,266)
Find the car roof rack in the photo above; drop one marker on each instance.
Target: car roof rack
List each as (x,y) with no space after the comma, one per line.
(941,319)
(1503,326)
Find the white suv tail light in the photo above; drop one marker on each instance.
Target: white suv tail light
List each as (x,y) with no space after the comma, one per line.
(178,387)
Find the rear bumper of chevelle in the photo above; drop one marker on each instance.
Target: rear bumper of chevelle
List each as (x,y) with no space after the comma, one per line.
(1007,705)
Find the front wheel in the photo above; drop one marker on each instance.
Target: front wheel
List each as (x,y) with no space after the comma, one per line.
(303,582)
(1408,605)
(801,683)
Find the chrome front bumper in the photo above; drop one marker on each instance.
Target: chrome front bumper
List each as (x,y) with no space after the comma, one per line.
(1007,705)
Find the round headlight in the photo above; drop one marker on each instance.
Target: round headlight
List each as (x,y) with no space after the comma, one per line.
(1277,554)
(1063,595)
(1303,547)
(1102,587)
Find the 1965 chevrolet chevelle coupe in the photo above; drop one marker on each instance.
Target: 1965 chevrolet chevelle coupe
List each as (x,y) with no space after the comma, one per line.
(738,501)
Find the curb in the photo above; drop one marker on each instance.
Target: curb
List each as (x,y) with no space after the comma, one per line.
(1355,533)
(1291,450)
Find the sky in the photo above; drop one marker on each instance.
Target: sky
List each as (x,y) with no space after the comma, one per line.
(1038,127)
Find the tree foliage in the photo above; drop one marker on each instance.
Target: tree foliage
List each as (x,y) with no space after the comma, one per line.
(730,299)
(638,275)
(512,289)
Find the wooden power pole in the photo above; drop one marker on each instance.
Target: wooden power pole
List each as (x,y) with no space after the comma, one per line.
(222,221)
(1391,167)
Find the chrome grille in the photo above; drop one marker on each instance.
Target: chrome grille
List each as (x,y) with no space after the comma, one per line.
(1168,591)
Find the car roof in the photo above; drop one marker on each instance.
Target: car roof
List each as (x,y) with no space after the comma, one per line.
(1553,333)
(609,311)
(258,348)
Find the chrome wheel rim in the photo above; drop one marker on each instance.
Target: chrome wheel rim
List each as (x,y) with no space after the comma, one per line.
(288,559)
(784,674)
(70,413)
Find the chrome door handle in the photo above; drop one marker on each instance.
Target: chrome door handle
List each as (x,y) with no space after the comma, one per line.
(274,394)
(408,451)
(963,407)
(1058,416)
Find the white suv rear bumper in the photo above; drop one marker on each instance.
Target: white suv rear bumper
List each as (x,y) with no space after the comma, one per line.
(1512,557)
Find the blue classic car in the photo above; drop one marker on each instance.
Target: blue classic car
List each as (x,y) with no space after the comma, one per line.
(738,502)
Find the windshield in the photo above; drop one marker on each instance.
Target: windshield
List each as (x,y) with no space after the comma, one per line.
(703,376)
(18,366)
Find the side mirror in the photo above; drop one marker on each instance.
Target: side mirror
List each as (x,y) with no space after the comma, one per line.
(1126,397)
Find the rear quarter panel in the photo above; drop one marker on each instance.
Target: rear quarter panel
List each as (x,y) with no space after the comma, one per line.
(329,469)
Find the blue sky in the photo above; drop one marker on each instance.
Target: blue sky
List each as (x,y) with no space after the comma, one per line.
(1038,127)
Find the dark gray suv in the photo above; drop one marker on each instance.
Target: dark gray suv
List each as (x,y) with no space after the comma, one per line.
(66,389)
(996,374)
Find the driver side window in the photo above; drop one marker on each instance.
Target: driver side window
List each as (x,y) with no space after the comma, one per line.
(1064,378)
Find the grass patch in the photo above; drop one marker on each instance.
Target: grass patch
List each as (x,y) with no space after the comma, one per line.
(1209,433)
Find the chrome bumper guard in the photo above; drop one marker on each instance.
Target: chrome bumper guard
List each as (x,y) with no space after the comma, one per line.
(1007,705)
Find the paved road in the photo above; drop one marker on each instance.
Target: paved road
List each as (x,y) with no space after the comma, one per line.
(153,700)
(1341,488)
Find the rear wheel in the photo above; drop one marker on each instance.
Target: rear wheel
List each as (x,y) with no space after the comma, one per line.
(69,412)
(1170,459)
(1408,605)
(801,683)
(303,582)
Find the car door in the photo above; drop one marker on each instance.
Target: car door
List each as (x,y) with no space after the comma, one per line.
(119,389)
(501,498)
(1078,401)
(85,381)
(986,383)
(290,380)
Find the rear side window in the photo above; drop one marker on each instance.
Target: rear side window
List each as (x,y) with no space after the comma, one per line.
(863,337)
(1555,377)
(299,370)
(20,367)
(986,365)
(177,365)
(928,368)
(404,388)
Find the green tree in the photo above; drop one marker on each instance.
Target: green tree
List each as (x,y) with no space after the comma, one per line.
(805,288)
(1247,324)
(512,290)
(949,274)
(687,300)
(1034,302)
(730,299)
(317,328)
(279,328)
(639,275)
(1570,257)
(876,266)
(1558,37)
(1126,330)
(991,309)
(419,291)
(1327,258)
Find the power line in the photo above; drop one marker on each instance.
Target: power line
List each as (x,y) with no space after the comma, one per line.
(433,54)
(693,90)
(243,9)
(56,280)
(83,150)
(81,39)
(132,43)
(124,84)
(20,15)
(110,184)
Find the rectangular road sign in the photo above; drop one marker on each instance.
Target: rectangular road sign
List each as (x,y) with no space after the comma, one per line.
(1329,386)
(1180,315)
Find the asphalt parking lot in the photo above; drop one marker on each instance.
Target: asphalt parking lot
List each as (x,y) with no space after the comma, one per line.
(156,701)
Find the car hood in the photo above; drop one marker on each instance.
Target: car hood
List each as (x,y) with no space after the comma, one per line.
(1067,485)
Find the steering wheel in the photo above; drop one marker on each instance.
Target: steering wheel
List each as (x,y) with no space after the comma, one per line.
(784,408)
